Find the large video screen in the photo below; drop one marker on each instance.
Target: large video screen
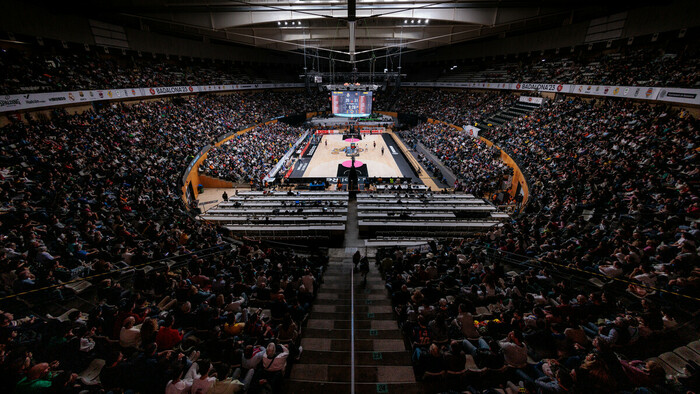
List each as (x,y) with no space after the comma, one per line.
(352,104)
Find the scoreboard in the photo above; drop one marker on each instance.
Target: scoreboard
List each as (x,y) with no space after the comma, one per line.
(352,103)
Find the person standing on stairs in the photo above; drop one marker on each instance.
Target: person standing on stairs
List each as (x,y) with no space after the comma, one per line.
(364,269)
(356,259)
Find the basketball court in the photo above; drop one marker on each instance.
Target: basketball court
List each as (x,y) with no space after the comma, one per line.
(331,153)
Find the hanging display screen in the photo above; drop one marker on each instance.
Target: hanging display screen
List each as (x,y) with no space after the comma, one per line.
(352,104)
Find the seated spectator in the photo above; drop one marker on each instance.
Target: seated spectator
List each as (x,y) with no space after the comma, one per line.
(129,337)
(273,364)
(168,336)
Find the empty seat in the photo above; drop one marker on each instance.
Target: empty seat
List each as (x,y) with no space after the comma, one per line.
(695,346)
(674,361)
(91,375)
(687,354)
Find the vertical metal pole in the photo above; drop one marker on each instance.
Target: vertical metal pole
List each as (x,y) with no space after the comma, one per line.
(351,25)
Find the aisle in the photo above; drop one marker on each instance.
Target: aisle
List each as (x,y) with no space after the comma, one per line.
(382,363)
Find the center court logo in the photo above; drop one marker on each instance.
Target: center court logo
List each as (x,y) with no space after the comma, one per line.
(336,151)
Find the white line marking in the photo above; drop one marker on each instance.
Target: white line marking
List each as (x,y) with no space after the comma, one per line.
(352,331)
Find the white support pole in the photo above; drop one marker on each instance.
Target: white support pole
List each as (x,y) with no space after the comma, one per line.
(351,48)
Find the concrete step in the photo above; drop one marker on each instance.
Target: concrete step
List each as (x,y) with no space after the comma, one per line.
(400,357)
(341,373)
(361,345)
(358,316)
(359,325)
(346,296)
(347,301)
(332,277)
(382,362)
(367,308)
(308,387)
(335,333)
(370,288)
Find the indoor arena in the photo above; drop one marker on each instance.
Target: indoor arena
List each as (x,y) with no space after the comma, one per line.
(343,196)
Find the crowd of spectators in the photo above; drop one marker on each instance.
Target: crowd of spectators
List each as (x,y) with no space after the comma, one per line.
(175,331)
(473,327)
(643,67)
(456,107)
(613,192)
(64,70)
(100,192)
(247,158)
(478,167)
(633,168)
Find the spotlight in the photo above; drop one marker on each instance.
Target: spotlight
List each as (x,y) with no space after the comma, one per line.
(426,21)
(279,23)
(413,21)
(285,23)
(405,21)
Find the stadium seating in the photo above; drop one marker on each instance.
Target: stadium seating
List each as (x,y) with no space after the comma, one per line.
(302,215)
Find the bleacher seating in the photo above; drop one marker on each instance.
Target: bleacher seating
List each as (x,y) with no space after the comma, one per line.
(506,115)
(424,214)
(283,216)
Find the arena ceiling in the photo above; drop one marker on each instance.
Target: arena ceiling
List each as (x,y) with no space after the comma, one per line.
(335,27)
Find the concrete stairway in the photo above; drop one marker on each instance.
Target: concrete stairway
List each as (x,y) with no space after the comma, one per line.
(382,363)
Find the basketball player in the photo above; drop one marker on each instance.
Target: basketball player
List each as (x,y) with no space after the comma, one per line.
(375,144)
(382,151)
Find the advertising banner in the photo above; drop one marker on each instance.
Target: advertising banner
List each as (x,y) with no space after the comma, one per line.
(543,87)
(471,131)
(18,102)
(531,100)
(679,95)
(25,101)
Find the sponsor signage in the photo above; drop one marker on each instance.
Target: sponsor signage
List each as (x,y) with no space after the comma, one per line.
(673,95)
(171,90)
(19,102)
(634,92)
(542,87)
(471,131)
(531,100)
(678,95)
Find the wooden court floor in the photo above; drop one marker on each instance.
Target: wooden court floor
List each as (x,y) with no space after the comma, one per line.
(324,163)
